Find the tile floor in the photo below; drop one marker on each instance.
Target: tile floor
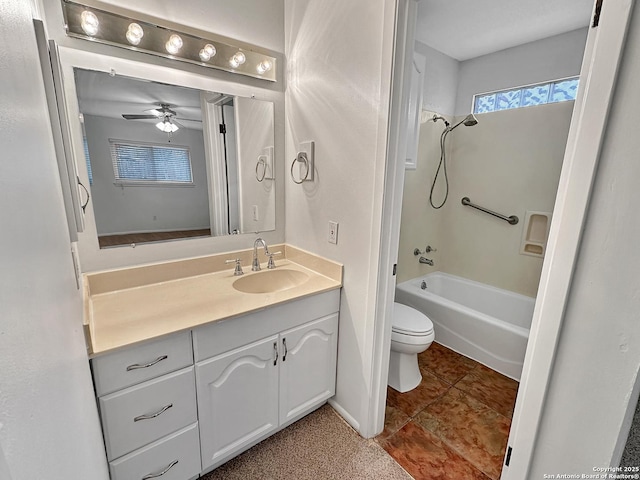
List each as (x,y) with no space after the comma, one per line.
(455,424)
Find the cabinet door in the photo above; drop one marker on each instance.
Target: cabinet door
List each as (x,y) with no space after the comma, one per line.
(308,367)
(237,399)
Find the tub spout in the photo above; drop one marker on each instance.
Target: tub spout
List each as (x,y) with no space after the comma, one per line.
(426,260)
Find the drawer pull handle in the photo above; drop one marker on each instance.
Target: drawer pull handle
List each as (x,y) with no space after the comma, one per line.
(156,475)
(153,415)
(284,343)
(136,366)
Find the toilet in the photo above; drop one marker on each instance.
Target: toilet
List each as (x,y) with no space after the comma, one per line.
(411,334)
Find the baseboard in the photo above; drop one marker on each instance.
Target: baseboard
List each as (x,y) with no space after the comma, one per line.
(344,414)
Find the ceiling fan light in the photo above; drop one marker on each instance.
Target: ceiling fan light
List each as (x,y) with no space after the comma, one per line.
(167,127)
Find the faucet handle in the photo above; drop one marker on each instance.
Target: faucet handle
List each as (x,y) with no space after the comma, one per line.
(238,270)
(271,264)
(430,249)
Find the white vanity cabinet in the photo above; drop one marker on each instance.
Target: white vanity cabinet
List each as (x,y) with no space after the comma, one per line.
(237,399)
(179,406)
(258,373)
(308,367)
(147,401)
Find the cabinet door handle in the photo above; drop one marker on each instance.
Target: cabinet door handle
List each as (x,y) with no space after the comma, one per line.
(275,353)
(284,344)
(153,415)
(156,475)
(136,366)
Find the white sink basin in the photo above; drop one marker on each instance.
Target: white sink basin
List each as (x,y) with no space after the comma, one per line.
(269,281)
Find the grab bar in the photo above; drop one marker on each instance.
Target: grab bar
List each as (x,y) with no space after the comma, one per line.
(512,220)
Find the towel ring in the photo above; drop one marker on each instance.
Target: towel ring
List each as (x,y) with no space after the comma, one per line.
(302,157)
(264,168)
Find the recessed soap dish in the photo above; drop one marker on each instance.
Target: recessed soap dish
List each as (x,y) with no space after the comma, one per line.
(535,233)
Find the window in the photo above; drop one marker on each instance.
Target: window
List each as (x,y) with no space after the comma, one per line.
(539,94)
(144,163)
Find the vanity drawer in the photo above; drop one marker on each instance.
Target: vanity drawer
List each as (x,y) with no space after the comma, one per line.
(140,363)
(178,455)
(143,413)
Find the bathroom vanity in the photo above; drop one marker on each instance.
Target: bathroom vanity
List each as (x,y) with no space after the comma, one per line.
(190,370)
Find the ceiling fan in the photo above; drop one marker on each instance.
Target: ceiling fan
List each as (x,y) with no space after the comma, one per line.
(167,118)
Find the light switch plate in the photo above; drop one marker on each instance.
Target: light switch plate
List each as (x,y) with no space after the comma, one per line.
(333,232)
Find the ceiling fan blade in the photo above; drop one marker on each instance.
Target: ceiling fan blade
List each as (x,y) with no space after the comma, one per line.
(173,120)
(186,119)
(155,111)
(137,117)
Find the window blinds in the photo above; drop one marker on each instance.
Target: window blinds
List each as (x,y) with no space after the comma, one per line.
(148,163)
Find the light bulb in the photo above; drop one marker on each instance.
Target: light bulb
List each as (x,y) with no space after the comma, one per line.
(166,126)
(237,60)
(89,23)
(207,52)
(174,44)
(264,66)
(134,33)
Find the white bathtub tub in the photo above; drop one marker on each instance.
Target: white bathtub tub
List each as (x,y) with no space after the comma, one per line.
(482,322)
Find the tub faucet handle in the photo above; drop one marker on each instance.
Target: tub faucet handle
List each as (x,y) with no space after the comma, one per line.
(416,252)
(430,249)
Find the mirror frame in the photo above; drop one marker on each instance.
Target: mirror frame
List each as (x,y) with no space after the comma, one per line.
(92,257)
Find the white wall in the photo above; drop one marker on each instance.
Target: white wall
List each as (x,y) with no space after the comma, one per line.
(510,163)
(548,59)
(338,96)
(440,82)
(596,366)
(254,124)
(48,417)
(139,208)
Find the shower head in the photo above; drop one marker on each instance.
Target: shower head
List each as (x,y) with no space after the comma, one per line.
(468,121)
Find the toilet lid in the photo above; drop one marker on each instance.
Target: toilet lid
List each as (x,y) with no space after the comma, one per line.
(410,321)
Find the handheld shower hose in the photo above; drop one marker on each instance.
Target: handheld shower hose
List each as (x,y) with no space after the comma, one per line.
(469,121)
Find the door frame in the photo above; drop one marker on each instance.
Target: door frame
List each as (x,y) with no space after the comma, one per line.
(588,123)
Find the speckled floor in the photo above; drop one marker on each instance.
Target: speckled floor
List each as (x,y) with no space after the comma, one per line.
(455,424)
(320,446)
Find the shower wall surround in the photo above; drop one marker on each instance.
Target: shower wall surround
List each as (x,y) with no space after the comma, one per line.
(510,162)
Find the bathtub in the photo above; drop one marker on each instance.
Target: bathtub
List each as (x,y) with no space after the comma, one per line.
(479,321)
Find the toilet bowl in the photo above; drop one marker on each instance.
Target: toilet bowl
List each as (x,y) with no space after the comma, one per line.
(411,334)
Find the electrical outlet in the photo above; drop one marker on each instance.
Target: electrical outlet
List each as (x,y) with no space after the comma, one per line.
(333,232)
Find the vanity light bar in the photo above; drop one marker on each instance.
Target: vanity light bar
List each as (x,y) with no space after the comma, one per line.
(97,25)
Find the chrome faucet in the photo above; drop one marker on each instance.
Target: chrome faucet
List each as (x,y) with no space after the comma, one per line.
(255,264)
(426,260)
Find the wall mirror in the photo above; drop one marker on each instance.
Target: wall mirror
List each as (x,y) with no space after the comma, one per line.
(167,162)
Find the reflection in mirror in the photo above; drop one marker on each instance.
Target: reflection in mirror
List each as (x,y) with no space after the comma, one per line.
(168,162)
